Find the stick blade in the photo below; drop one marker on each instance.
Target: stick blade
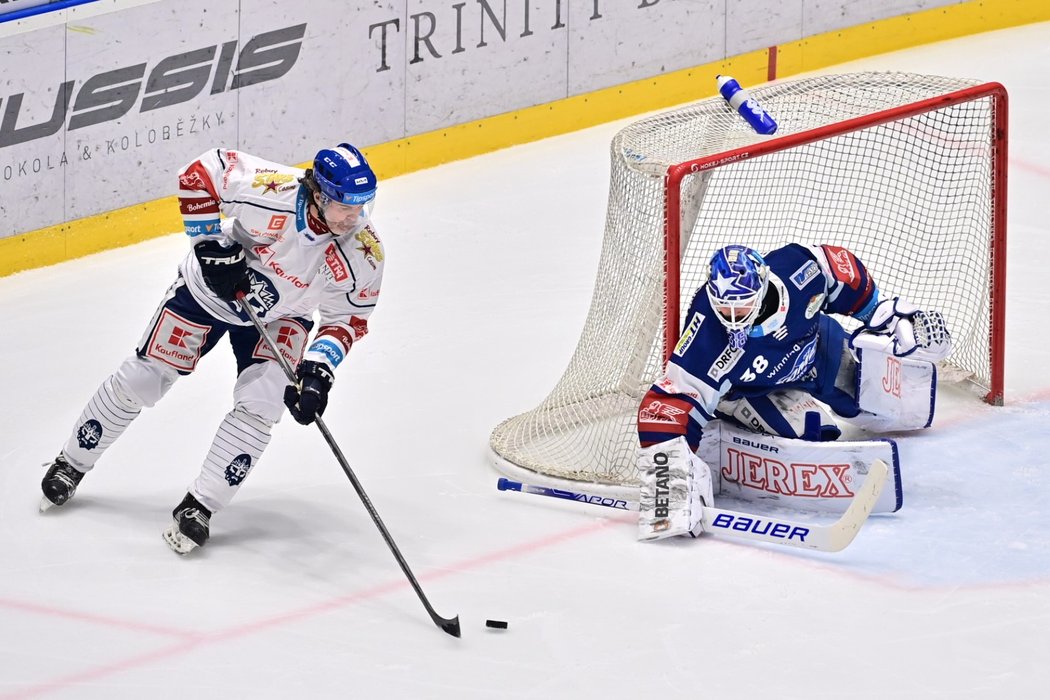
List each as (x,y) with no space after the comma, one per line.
(842,533)
(449,626)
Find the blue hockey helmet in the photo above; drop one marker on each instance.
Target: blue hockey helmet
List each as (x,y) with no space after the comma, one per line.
(737,286)
(344,176)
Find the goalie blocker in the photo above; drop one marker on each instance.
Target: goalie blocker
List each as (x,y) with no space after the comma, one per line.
(676,485)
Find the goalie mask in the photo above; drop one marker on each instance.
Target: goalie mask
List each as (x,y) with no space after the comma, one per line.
(346,187)
(736,288)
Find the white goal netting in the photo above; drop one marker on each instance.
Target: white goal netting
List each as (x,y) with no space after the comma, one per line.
(907,171)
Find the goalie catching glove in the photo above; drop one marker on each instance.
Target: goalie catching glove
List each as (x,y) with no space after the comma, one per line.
(676,485)
(899,327)
(311,398)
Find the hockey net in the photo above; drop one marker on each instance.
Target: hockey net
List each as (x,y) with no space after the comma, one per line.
(907,171)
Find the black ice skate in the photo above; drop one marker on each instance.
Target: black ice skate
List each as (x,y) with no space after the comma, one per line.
(60,483)
(190,527)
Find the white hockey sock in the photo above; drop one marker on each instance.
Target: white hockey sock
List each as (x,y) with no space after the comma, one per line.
(239,442)
(106,416)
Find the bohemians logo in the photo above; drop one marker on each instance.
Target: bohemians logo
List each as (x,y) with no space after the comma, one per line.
(238,469)
(89,434)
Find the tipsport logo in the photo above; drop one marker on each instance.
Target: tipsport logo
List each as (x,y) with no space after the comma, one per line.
(181,77)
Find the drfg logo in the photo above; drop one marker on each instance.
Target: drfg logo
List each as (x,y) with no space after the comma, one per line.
(173,80)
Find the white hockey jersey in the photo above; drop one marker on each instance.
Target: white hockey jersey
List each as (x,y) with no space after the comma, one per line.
(296,265)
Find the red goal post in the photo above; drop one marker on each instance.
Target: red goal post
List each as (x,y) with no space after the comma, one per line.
(907,171)
(993,92)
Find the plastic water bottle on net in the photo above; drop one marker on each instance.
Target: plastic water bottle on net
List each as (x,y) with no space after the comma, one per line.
(739,99)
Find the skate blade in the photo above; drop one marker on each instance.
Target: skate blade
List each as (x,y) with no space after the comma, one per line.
(179,543)
(45,503)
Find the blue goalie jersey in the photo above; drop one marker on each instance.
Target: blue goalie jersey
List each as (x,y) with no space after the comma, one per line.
(793,344)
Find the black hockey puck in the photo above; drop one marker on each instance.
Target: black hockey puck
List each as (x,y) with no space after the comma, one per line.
(496,624)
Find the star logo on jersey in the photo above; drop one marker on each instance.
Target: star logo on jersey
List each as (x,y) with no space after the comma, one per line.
(270,182)
(370,246)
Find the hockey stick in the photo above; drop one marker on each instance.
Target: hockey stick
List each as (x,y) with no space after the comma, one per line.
(761,528)
(449,625)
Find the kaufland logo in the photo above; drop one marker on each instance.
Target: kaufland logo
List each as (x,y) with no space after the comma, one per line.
(175,79)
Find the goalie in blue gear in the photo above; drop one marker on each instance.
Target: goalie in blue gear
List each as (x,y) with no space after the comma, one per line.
(760,348)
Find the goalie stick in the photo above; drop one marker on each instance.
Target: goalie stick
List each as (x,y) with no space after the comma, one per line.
(449,625)
(760,528)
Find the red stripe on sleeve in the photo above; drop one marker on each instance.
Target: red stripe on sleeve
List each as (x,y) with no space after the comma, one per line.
(844,266)
(195,178)
(660,412)
(340,335)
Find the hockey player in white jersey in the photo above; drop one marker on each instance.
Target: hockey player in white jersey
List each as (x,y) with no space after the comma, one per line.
(758,347)
(294,243)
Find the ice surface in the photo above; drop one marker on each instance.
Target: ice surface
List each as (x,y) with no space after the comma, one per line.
(491,264)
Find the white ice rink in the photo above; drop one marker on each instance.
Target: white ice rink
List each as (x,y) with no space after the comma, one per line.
(491,265)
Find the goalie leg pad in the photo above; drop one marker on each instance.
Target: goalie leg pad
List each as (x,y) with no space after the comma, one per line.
(811,476)
(676,485)
(894,393)
(788,413)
